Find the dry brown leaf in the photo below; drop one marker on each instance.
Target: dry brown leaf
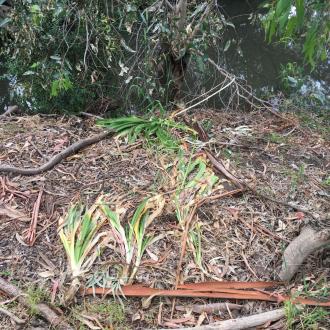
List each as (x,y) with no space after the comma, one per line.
(13,214)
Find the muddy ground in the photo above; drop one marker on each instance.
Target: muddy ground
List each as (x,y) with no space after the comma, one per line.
(243,239)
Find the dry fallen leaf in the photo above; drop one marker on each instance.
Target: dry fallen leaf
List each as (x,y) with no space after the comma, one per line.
(13,214)
(281,226)
(46,274)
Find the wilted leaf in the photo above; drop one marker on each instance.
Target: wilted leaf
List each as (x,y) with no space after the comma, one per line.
(46,274)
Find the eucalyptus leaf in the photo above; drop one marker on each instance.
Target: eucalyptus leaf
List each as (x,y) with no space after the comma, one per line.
(4,22)
(227,45)
(28,73)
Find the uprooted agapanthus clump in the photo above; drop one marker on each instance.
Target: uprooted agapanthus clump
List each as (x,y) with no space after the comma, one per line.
(80,237)
(84,236)
(132,238)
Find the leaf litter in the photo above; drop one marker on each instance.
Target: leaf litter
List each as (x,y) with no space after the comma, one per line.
(234,237)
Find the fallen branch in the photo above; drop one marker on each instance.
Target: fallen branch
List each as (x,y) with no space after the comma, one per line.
(222,169)
(238,181)
(274,200)
(74,148)
(300,248)
(42,309)
(184,244)
(243,322)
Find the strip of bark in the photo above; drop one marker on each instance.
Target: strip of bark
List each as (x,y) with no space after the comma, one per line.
(42,309)
(51,163)
(300,248)
(243,322)
(207,290)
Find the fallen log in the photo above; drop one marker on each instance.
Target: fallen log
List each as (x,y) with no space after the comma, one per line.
(42,309)
(51,163)
(300,248)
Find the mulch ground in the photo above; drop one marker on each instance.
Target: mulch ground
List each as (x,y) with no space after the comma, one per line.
(243,236)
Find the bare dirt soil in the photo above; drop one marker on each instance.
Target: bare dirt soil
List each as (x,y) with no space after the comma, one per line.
(243,236)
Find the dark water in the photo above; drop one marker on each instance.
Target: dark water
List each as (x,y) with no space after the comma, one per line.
(252,58)
(258,61)
(249,57)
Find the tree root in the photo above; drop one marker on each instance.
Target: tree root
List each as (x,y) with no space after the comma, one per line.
(244,322)
(42,309)
(300,248)
(74,148)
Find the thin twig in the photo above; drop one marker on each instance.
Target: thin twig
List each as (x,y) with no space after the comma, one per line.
(87,114)
(31,235)
(205,99)
(11,315)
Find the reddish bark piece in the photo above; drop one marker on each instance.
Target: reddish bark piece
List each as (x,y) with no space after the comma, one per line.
(230,285)
(209,292)
(31,234)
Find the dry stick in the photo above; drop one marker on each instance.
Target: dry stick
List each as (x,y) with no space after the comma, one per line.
(300,248)
(205,99)
(74,148)
(295,207)
(42,309)
(240,182)
(219,290)
(31,235)
(210,308)
(244,322)
(221,168)
(11,315)
(184,241)
(184,244)
(228,75)
(183,251)
(87,114)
